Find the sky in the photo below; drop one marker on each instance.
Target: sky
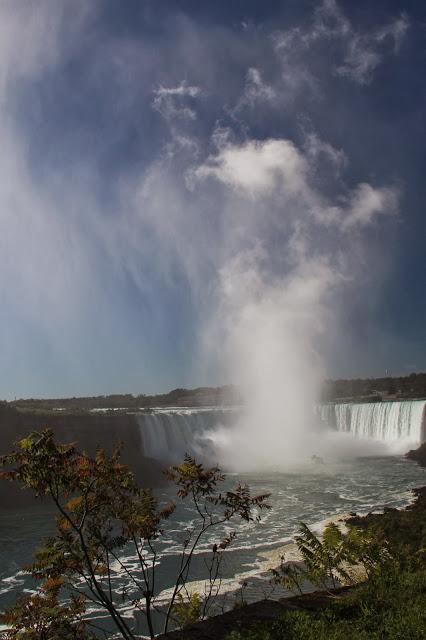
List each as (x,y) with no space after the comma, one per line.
(192,190)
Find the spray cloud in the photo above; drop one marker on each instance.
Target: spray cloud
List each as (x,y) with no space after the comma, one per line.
(256,229)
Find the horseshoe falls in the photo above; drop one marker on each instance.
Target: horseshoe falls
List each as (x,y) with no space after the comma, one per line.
(167,434)
(388,422)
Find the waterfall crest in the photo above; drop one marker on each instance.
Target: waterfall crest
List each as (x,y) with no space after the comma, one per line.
(384,421)
(167,434)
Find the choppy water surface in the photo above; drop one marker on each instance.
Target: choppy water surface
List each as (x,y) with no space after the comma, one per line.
(310,494)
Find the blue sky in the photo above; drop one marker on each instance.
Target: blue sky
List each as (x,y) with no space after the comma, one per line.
(186,186)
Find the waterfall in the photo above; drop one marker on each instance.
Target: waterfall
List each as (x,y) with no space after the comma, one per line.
(385,421)
(167,434)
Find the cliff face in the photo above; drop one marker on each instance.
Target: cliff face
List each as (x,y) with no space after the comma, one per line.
(89,431)
(419,455)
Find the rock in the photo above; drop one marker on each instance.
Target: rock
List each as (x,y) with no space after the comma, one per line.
(419,455)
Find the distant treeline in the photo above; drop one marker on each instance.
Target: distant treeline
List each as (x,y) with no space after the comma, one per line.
(412,386)
(202,396)
(368,389)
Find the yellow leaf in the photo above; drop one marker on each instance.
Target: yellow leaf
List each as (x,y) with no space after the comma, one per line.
(74,503)
(63,525)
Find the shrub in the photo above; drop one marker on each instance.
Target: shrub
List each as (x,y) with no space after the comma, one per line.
(101,510)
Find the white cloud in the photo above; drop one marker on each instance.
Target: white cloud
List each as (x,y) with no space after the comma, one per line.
(256,92)
(35,36)
(362,206)
(360,61)
(181,90)
(329,22)
(171,101)
(316,149)
(276,166)
(42,252)
(394,31)
(361,51)
(366,203)
(257,167)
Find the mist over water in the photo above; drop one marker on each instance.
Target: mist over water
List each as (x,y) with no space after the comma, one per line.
(286,266)
(233,439)
(271,345)
(333,433)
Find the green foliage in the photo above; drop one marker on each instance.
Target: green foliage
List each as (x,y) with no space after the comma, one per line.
(403,532)
(324,559)
(239,601)
(289,575)
(187,611)
(101,510)
(411,386)
(335,558)
(42,617)
(389,606)
(193,480)
(364,548)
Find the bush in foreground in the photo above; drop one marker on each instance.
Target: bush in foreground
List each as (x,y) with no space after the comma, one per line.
(102,517)
(388,607)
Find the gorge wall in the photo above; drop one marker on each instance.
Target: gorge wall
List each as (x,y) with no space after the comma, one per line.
(88,430)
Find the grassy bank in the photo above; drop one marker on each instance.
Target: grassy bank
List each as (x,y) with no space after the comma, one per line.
(390,605)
